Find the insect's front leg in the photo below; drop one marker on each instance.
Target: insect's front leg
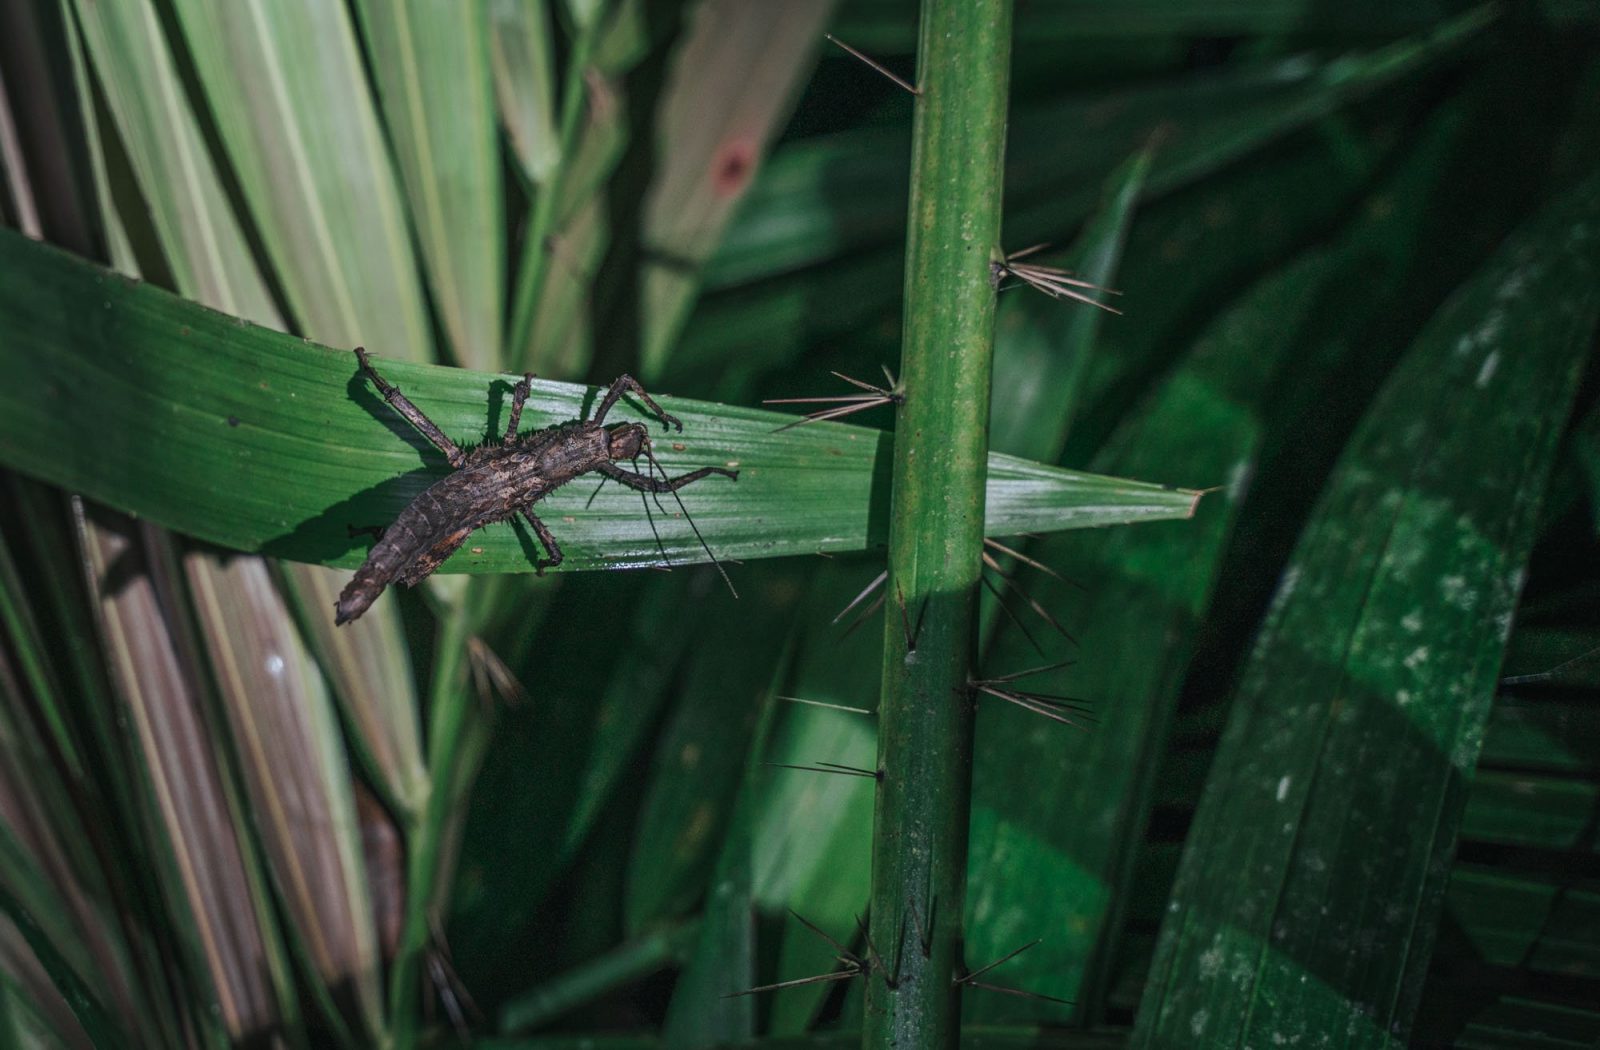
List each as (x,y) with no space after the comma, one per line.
(627,384)
(645,483)
(519,396)
(413,414)
(546,540)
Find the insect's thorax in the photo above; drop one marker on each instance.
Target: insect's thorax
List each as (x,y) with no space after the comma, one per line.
(498,478)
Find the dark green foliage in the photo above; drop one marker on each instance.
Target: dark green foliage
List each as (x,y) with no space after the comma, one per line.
(1357,301)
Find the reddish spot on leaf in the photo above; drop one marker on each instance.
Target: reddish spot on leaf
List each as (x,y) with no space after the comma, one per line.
(732,167)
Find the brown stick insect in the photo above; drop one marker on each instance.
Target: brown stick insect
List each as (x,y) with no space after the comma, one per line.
(499,480)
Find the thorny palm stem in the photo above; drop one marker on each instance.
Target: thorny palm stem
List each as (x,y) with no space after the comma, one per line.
(936,526)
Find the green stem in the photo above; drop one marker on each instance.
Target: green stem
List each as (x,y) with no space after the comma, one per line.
(627,962)
(535,252)
(936,527)
(452,756)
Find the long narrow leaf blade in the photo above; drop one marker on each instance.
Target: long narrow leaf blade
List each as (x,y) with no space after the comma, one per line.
(371,672)
(733,80)
(813,839)
(325,454)
(1209,419)
(208,888)
(524,83)
(205,248)
(291,101)
(1043,345)
(201,238)
(36,958)
(337,234)
(1308,897)
(831,196)
(291,756)
(431,63)
(39,885)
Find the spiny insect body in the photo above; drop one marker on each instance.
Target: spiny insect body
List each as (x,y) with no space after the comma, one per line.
(496,482)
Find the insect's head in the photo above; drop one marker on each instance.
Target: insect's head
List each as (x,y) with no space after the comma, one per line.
(627,440)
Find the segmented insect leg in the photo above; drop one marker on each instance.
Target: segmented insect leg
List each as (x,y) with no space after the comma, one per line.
(628,384)
(519,395)
(546,540)
(413,414)
(645,483)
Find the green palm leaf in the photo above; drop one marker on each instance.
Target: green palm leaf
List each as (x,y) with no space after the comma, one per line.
(323,453)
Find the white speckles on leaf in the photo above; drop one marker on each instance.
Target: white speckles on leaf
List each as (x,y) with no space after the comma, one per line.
(1465,754)
(1512,286)
(1486,334)
(1455,591)
(1239,476)
(1405,555)
(1486,371)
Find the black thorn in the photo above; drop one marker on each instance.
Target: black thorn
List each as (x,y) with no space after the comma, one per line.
(1020,993)
(846,954)
(874,64)
(889,979)
(877,581)
(820,703)
(1007,957)
(840,975)
(829,767)
(1010,615)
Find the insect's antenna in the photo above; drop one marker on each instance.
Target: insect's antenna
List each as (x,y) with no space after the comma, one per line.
(655,497)
(703,545)
(665,557)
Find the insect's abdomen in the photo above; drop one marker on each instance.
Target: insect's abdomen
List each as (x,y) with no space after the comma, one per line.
(495,483)
(423,527)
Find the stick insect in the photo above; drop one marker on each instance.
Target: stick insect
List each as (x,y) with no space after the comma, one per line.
(498,481)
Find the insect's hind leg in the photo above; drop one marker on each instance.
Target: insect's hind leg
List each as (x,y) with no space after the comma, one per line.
(413,414)
(546,540)
(519,397)
(645,483)
(627,384)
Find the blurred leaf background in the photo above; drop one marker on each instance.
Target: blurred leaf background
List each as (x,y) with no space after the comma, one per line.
(1357,251)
